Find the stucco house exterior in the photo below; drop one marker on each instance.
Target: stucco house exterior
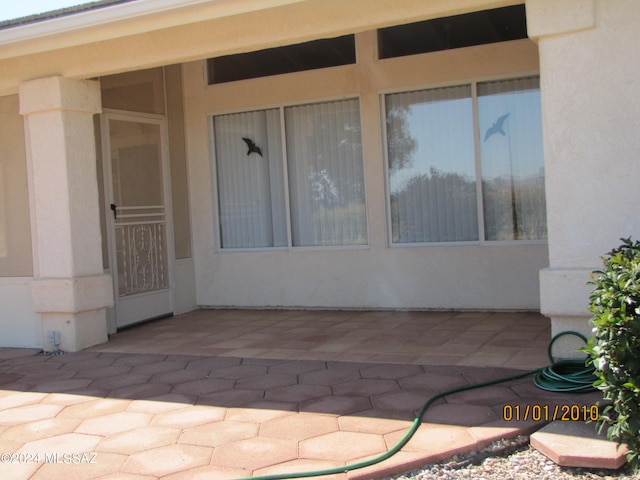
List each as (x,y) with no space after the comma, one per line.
(159,156)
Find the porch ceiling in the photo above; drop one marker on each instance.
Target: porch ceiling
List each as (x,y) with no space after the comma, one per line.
(93,44)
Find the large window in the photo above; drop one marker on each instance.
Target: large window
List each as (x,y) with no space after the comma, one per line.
(456,175)
(323,53)
(291,176)
(476,28)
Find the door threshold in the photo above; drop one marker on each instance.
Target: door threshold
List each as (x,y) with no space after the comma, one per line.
(142,322)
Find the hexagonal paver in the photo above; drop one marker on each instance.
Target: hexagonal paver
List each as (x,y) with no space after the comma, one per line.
(403,401)
(342,446)
(298,393)
(113,423)
(204,386)
(298,367)
(258,412)
(299,427)
(154,406)
(160,367)
(66,399)
(491,395)
(68,385)
(208,472)
(382,426)
(336,404)
(231,398)
(82,364)
(430,381)
(255,453)
(304,465)
(103,372)
(37,430)
(213,363)
(576,444)
(139,359)
(10,399)
(162,461)
(92,465)
(460,414)
(34,368)
(266,382)
(18,470)
(101,406)
(140,391)
(176,377)
(365,387)
(28,413)
(138,440)
(219,433)
(188,417)
(443,441)
(329,377)
(239,372)
(119,381)
(61,444)
(390,372)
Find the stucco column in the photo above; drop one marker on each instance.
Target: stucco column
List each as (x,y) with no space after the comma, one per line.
(590,80)
(70,290)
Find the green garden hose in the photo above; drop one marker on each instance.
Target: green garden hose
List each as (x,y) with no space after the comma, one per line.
(564,376)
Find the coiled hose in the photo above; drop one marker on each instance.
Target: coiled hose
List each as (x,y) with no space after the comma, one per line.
(562,376)
(565,375)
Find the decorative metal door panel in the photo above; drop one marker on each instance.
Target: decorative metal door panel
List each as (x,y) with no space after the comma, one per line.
(139,218)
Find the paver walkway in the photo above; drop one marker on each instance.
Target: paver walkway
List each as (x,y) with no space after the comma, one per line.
(125,415)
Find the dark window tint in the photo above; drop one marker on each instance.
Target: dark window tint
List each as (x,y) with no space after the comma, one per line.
(478,28)
(275,61)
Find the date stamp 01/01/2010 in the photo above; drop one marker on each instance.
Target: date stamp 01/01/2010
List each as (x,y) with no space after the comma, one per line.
(550,413)
(54,457)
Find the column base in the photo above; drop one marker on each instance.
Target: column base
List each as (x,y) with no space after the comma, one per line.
(566,346)
(74,307)
(77,330)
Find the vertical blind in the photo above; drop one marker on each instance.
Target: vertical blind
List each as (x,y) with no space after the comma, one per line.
(432,176)
(433,184)
(512,159)
(325,181)
(250,187)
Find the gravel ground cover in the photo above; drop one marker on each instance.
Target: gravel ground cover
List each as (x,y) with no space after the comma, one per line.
(512,459)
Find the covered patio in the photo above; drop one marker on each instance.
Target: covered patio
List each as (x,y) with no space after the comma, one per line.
(482,339)
(241,393)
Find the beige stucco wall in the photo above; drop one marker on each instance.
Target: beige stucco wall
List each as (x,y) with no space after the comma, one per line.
(159,91)
(470,277)
(19,325)
(69,290)
(591,119)
(15,228)
(176,35)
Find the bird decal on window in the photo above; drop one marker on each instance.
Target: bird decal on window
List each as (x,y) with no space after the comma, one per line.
(252,147)
(496,127)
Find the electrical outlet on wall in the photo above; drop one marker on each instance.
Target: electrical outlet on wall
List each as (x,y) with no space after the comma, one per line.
(53,337)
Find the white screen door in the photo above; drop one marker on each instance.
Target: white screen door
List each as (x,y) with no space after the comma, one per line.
(139,220)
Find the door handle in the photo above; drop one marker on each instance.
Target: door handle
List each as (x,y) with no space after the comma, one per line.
(114,210)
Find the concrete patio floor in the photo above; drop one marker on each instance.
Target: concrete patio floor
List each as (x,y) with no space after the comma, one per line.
(224,394)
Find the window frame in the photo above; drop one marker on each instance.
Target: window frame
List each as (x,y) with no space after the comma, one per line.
(455,18)
(290,247)
(284,49)
(473,83)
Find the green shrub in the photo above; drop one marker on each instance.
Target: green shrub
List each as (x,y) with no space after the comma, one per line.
(614,350)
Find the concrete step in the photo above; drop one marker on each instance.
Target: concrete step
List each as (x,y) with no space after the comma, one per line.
(576,444)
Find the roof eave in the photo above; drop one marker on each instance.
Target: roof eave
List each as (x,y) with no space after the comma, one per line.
(130,18)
